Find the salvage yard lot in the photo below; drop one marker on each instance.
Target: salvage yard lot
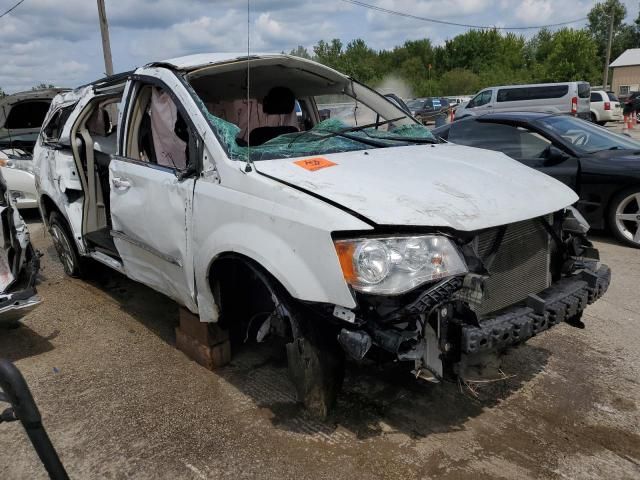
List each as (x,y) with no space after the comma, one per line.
(119,401)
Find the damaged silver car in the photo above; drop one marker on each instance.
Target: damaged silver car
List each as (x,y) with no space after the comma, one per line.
(341,233)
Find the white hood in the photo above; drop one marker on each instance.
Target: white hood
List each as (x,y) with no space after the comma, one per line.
(442,185)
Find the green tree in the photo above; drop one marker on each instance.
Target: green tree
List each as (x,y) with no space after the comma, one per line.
(43,86)
(599,19)
(330,53)
(300,51)
(360,61)
(571,57)
(459,81)
(472,60)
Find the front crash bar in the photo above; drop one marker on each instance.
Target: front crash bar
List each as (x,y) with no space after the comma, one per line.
(563,301)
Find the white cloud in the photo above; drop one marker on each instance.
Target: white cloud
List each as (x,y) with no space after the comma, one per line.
(59,42)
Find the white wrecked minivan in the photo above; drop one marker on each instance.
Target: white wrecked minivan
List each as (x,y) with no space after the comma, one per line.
(360,232)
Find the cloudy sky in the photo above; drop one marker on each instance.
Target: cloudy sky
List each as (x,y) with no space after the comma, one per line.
(58,42)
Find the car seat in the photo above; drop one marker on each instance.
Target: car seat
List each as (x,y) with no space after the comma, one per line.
(279,101)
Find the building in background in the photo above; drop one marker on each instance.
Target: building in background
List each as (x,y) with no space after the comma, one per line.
(625,77)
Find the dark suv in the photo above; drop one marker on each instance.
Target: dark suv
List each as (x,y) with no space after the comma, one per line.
(427,109)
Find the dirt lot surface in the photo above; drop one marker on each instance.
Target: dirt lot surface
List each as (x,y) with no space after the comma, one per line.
(119,401)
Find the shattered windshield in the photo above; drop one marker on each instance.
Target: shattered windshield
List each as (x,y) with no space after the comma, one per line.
(324,138)
(282,124)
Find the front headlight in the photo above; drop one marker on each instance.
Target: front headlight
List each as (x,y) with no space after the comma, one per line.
(25,165)
(395,265)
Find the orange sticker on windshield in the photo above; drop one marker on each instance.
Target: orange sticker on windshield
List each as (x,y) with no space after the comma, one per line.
(316,163)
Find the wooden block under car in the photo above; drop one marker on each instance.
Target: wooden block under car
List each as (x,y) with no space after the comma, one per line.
(205,333)
(204,343)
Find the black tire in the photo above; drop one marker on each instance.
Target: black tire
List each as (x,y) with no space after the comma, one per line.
(593,117)
(623,216)
(65,246)
(602,124)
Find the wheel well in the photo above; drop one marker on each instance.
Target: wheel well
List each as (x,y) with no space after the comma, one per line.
(614,195)
(243,291)
(48,206)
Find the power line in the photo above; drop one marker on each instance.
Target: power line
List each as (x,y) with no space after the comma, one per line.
(444,22)
(11,9)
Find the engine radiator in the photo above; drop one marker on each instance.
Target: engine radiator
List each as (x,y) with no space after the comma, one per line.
(519,266)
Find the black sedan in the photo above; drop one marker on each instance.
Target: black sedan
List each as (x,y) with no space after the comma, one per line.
(602,167)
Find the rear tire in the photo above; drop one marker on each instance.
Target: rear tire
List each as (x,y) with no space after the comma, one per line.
(602,124)
(623,216)
(593,117)
(65,246)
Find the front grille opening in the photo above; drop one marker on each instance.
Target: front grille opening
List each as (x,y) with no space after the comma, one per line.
(520,266)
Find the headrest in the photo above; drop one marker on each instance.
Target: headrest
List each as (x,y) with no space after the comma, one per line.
(279,101)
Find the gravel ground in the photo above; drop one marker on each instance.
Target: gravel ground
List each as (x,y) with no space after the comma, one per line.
(119,401)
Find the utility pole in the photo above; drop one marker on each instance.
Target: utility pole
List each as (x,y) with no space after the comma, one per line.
(605,76)
(106,45)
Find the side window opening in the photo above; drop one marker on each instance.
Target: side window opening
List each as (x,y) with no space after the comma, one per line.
(95,134)
(349,110)
(596,97)
(53,129)
(160,134)
(517,94)
(532,144)
(481,99)
(492,136)
(515,142)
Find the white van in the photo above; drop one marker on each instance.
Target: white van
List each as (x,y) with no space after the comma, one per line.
(570,98)
(340,236)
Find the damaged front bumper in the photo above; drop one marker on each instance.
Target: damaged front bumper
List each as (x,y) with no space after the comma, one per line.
(564,301)
(435,332)
(522,280)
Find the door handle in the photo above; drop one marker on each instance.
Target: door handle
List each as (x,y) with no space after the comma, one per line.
(121,183)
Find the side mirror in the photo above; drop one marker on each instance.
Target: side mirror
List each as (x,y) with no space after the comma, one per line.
(553,156)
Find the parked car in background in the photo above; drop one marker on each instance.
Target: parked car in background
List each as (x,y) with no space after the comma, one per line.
(602,167)
(455,101)
(425,110)
(605,107)
(21,117)
(570,98)
(19,263)
(346,238)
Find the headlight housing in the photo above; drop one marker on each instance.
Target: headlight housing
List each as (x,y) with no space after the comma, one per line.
(394,265)
(25,165)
